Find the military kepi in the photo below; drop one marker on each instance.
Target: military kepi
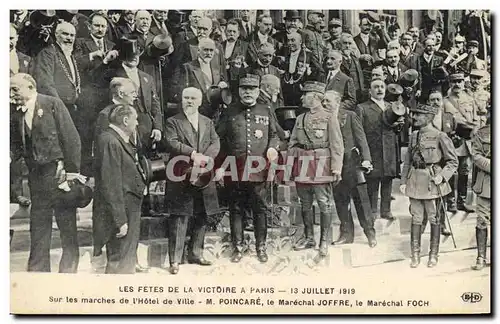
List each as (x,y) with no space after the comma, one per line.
(457,76)
(425,109)
(314,86)
(250,80)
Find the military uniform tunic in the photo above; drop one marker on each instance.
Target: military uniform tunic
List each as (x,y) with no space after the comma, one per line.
(430,153)
(481,155)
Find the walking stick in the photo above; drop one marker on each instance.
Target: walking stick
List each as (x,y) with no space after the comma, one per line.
(444,209)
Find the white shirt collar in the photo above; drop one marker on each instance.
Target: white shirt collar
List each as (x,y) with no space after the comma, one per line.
(122,134)
(405,51)
(427,57)
(333,73)
(380,103)
(203,63)
(193,119)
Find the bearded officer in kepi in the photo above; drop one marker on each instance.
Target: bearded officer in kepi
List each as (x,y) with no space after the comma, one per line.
(428,166)
(318,150)
(247,134)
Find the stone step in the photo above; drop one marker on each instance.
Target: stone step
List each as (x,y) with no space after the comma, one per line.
(396,248)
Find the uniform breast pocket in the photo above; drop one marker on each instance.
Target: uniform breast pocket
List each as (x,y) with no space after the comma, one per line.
(431,153)
(319,131)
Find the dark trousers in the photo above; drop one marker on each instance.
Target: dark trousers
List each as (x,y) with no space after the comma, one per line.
(342,194)
(385,184)
(122,252)
(44,192)
(85,125)
(254,193)
(178,230)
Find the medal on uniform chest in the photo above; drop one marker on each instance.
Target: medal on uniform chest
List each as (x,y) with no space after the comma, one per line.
(258,133)
(319,133)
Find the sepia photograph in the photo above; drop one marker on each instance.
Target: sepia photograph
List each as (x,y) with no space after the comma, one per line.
(215,161)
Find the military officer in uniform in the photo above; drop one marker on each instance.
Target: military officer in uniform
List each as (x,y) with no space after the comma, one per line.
(428,166)
(479,93)
(247,133)
(464,109)
(316,143)
(481,155)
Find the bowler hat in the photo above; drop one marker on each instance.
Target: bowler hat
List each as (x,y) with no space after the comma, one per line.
(250,80)
(79,195)
(127,48)
(217,96)
(373,17)
(162,41)
(425,109)
(66,15)
(314,86)
(40,18)
(292,14)
(464,130)
(394,89)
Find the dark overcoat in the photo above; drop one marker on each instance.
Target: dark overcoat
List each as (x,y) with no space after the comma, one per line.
(382,141)
(181,140)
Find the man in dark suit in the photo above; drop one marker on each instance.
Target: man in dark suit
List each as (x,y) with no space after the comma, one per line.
(395,68)
(126,23)
(19,62)
(356,155)
(384,149)
(192,142)
(416,46)
(408,57)
(292,21)
(351,66)
(42,131)
(337,80)
(201,73)
(120,183)
(148,105)
(245,25)
(234,46)
(260,36)
(158,25)
(426,66)
(366,41)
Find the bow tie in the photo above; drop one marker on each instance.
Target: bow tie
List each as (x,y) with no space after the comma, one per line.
(22,108)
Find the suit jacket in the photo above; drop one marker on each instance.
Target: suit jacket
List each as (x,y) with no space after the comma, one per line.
(123,28)
(240,48)
(182,140)
(353,136)
(244,35)
(53,75)
(344,85)
(53,135)
(119,187)
(390,79)
(85,46)
(371,49)
(254,44)
(24,63)
(425,71)
(190,75)
(382,141)
(148,110)
(356,74)
(409,60)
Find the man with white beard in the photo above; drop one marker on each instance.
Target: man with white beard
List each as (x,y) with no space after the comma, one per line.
(57,74)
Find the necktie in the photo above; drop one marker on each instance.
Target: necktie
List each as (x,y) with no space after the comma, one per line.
(330,76)
(100,44)
(248,29)
(394,75)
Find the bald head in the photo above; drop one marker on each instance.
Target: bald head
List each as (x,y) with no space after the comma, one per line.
(191,100)
(123,90)
(271,85)
(22,88)
(195,16)
(204,28)
(142,20)
(206,49)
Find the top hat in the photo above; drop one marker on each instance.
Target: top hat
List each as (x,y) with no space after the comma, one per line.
(292,14)
(464,130)
(425,109)
(394,111)
(217,96)
(127,48)
(39,18)
(79,195)
(162,41)
(286,116)
(314,86)
(201,180)
(66,15)
(250,80)
(154,169)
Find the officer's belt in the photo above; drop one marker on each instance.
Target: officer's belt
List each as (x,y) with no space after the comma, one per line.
(313,146)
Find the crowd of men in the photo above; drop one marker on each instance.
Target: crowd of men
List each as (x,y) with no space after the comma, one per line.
(93,94)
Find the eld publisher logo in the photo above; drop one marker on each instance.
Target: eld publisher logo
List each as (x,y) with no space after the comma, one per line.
(472,297)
